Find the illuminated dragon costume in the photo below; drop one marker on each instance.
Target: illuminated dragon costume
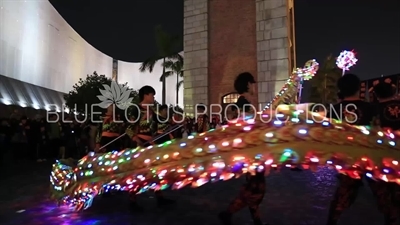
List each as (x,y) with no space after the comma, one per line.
(288,137)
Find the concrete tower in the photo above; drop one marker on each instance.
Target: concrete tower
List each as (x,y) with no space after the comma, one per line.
(223,38)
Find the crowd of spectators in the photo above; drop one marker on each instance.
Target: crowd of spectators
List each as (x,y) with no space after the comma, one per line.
(37,139)
(43,139)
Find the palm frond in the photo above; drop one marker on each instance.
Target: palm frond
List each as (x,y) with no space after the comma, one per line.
(179,84)
(177,57)
(179,63)
(168,64)
(148,65)
(175,64)
(166,74)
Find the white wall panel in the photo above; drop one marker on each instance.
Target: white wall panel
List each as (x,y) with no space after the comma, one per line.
(38,46)
(129,73)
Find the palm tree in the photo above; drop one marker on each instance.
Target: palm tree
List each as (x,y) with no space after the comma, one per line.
(166,44)
(175,67)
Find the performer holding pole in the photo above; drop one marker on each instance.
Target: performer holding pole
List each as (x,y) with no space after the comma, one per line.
(140,130)
(387,193)
(108,133)
(162,123)
(356,112)
(252,192)
(108,136)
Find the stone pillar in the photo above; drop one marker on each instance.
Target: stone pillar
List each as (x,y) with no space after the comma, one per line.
(223,38)
(196,54)
(115,70)
(273,46)
(232,46)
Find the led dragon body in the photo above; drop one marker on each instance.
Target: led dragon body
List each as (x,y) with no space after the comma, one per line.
(286,137)
(289,138)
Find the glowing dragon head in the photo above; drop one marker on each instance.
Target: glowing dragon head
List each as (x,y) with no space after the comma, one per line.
(62,178)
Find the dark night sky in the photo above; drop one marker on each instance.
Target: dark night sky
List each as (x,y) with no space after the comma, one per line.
(124,29)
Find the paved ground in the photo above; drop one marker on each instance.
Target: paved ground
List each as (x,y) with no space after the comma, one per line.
(292,198)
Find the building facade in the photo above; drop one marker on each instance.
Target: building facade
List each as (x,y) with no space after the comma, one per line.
(42,57)
(223,38)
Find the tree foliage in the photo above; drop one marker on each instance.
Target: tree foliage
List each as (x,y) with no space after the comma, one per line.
(84,94)
(167,45)
(323,84)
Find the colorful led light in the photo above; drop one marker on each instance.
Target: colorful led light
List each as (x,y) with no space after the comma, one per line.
(292,87)
(226,153)
(345,60)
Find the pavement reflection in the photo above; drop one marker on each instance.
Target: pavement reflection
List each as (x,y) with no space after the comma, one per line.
(291,198)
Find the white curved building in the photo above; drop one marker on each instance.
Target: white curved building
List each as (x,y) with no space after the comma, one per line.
(42,57)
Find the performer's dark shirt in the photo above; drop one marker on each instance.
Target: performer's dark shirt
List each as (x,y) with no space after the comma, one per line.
(355,112)
(163,124)
(255,183)
(108,125)
(144,122)
(243,104)
(389,114)
(162,127)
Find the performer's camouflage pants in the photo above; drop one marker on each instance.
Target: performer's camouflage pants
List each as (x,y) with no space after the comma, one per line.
(251,195)
(387,196)
(388,199)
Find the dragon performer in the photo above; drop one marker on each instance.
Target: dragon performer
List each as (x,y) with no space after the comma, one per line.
(291,135)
